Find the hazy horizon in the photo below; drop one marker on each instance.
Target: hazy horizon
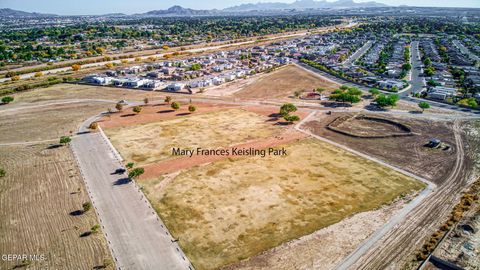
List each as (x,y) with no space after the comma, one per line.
(95,7)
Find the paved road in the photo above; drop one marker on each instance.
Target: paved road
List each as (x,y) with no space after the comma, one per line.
(417,82)
(465,50)
(359,53)
(137,237)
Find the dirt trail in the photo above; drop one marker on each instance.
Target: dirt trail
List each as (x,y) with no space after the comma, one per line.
(396,247)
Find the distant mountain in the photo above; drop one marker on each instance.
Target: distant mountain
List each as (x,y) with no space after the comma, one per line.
(304,4)
(8,12)
(179,11)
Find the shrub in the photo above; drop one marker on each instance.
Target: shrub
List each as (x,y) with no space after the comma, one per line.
(7,99)
(86,206)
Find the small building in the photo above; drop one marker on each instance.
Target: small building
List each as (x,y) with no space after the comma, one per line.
(175,87)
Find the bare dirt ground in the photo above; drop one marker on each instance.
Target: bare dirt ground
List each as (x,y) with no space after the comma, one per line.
(157,112)
(406,152)
(282,84)
(40,190)
(232,209)
(397,249)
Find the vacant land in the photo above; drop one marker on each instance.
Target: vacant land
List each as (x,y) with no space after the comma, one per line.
(46,122)
(284,83)
(153,142)
(235,208)
(408,152)
(79,91)
(40,190)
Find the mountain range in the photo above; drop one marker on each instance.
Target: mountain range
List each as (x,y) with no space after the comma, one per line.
(304,4)
(260,7)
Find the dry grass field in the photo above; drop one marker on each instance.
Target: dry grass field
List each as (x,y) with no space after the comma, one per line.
(45,123)
(40,190)
(235,208)
(153,142)
(78,91)
(283,83)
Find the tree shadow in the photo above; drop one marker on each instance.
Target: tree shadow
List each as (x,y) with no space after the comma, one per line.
(183,114)
(332,104)
(85,234)
(415,112)
(127,115)
(76,213)
(54,146)
(122,181)
(374,108)
(165,111)
(83,132)
(283,123)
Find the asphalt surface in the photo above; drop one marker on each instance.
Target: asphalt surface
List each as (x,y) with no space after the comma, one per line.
(137,237)
(351,60)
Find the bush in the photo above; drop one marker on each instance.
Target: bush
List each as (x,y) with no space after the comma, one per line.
(65,140)
(137,109)
(87,206)
(7,99)
(192,108)
(2,173)
(136,173)
(175,105)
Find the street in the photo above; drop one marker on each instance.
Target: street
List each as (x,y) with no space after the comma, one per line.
(137,237)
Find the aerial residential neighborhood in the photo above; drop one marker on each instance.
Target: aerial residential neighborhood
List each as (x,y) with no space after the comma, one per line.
(237,135)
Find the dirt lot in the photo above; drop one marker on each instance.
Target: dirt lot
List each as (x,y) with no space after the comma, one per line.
(405,152)
(279,84)
(235,208)
(45,123)
(153,142)
(41,188)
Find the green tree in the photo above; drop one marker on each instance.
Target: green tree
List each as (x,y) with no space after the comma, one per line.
(287,108)
(2,173)
(119,107)
(191,108)
(168,99)
(65,140)
(423,105)
(374,92)
(86,206)
(387,100)
(95,228)
(136,173)
(7,99)
(291,118)
(129,165)
(137,109)
(175,105)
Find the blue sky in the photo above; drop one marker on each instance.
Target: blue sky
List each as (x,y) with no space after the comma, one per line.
(79,7)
